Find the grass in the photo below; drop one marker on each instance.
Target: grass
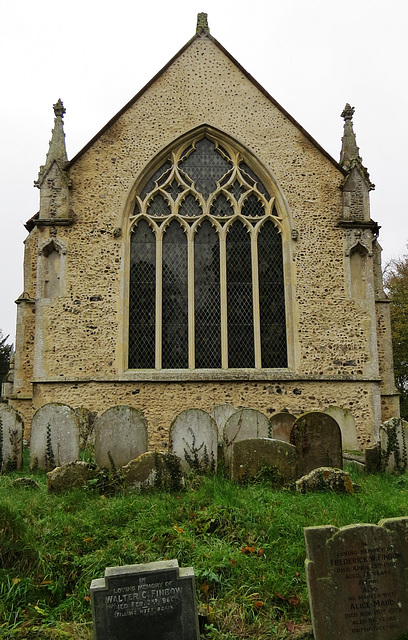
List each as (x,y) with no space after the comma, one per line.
(245,543)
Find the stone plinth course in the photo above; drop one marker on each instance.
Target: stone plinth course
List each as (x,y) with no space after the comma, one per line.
(11,438)
(154,601)
(120,436)
(262,455)
(194,439)
(317,439)
(281,426)
(54,436)
(357,579)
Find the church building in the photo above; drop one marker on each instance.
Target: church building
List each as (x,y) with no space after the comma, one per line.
(204,249)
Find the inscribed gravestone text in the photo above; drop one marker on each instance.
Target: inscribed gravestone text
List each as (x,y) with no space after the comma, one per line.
(357,580)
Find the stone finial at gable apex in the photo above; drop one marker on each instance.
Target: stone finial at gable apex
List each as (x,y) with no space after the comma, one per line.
(349,148)
(202,24)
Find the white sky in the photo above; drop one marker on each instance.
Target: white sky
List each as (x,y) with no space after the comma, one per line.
(312,56)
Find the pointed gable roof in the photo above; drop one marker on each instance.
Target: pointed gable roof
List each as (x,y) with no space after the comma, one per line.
(203,32)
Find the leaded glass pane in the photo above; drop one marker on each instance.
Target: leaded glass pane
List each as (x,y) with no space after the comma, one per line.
(244,168)
(252,207)
(158,206)
(190,207)
(142,298)
(239,298)
(174,189)
(207,298)
(271,297)
(162,173)
(175,298)
(205,166)
(237,190)
(221,206)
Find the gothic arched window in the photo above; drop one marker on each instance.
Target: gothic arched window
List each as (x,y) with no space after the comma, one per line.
(206,265)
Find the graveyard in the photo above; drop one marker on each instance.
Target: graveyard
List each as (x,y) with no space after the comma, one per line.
(244,541)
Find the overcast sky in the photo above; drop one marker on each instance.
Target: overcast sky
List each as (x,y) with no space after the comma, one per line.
(312,56)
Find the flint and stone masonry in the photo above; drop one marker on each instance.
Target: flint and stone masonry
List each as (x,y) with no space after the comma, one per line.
(72,339)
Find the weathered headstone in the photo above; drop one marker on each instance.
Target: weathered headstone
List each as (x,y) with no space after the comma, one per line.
(11,438)
(394,445)
(120,436)
(54,436)
(325,478)
(317,439)
(358,580)
(153,469)
(281,426)
(221,413)
(70,475)
(346,422)
(194,439)
(154,601)
(243,425)
(249,457)
(372,458)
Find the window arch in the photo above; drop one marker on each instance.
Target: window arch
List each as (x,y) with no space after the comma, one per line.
(206,265)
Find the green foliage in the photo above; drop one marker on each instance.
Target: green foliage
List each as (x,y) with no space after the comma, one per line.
(5,353)
(245,543)
(49,453)
(396,283)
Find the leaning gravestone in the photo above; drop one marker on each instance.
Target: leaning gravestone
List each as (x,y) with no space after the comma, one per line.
(194,439)
(249,457)
(54,438)
(120,436)
(154,601)
(243,425)
(317,438)
(357,580)
(346,422)
(281,426)
(11,439)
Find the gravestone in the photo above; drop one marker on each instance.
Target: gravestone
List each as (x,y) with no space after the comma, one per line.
(194,439)
(249,457)
(154,601)
(54,438)
(346,422)
(120,436)
(221,413)
(153,469)
(317,439)
(394,444)
(244,424)
(357,580)
(11,439)
(281,426)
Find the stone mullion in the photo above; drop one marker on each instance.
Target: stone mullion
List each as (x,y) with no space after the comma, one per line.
(159,306)
(255,299)
(223,298)
(191,323)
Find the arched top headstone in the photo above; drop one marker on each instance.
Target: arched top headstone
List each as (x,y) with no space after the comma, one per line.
(281,425)
(194,439)
(346,422)
(54,438)
(317,438)
(221,413)
(120,436)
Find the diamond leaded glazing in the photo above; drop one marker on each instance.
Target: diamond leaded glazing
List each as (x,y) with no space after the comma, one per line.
(186,276)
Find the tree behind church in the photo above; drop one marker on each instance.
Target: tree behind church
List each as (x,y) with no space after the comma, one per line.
(5,353)
(396,282)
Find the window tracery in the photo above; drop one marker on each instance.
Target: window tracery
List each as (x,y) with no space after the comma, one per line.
(206,266)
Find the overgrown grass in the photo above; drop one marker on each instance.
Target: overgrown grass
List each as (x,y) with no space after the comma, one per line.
(245,543)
